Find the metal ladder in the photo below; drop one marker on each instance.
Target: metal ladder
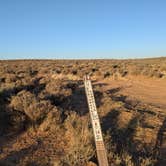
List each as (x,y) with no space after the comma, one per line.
(100,148)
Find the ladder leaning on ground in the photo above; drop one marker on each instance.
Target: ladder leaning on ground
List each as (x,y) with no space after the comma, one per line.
(100,148)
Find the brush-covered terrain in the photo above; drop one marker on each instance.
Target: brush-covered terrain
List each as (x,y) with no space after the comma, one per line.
(44,117)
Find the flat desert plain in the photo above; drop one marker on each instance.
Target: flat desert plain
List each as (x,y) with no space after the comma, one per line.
(44,116)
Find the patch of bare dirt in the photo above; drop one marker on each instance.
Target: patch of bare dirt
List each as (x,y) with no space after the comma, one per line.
(151,91)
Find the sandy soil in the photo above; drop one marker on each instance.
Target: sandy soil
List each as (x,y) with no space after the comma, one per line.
(147,90)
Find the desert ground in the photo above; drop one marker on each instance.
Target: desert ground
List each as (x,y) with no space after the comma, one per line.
(44,117)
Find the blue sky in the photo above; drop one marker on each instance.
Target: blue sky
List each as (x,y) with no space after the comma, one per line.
(82,28)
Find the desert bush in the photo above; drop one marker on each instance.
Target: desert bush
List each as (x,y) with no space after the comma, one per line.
(10,78)
(147,72)
(158,75)
(27,103)
(74,72)
(58,71)
(2,79)
(16,122)
(124,73)
(12,122)
(125,157)
(94,69)
(22,100)
(52,121)
(36,111)
(115,66)
(58,87)
(107,74)
(80,145)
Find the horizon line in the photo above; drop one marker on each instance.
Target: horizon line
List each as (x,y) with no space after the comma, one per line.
(51,59)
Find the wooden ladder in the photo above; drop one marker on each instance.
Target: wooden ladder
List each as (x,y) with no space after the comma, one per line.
(101,151)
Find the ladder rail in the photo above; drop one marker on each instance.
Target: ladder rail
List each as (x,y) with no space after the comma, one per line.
(100,148)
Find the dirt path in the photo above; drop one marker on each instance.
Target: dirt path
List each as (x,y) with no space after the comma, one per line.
(146,90)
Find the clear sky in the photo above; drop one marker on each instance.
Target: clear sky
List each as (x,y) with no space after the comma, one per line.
(82,28)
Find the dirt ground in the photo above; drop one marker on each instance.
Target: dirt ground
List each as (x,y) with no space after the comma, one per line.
(151,91)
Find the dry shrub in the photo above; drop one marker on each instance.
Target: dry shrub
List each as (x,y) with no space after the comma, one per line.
(2,79)
(74,72)
(125,157)
(58,87)
(123,119)
(10,78)
(144,139)
(16,122)
(107,74)
(80,141)
(158,74)
(65,77)
(26,102)
(52,121)
(37,111)
(11,122)
(136,70)
(124,73)
(22,100)
(107,105)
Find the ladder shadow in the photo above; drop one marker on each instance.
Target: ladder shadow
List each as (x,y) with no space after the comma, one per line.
(77,102)
(159,150)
